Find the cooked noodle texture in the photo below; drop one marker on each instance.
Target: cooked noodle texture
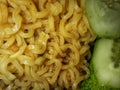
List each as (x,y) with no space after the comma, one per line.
(43,44)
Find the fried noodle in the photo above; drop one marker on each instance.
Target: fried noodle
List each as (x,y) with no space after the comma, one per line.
(43,44)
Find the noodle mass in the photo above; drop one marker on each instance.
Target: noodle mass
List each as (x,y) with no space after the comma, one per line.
(43,44)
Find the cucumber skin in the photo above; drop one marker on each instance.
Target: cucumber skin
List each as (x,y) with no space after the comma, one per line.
(92,82)
(103,21)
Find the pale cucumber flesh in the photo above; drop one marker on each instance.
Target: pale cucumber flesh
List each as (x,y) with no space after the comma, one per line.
(103,19)
(106,72)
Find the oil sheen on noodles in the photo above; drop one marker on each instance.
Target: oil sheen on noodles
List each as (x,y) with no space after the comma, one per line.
(43,44)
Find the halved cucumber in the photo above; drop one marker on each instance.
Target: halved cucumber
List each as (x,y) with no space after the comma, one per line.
(104,17)
(106,62)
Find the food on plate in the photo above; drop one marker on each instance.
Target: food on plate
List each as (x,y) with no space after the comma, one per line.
(43,44)
(105,66)
(103,17)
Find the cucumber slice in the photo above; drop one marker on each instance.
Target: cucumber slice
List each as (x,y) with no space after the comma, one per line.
(106,62)
(104,17)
